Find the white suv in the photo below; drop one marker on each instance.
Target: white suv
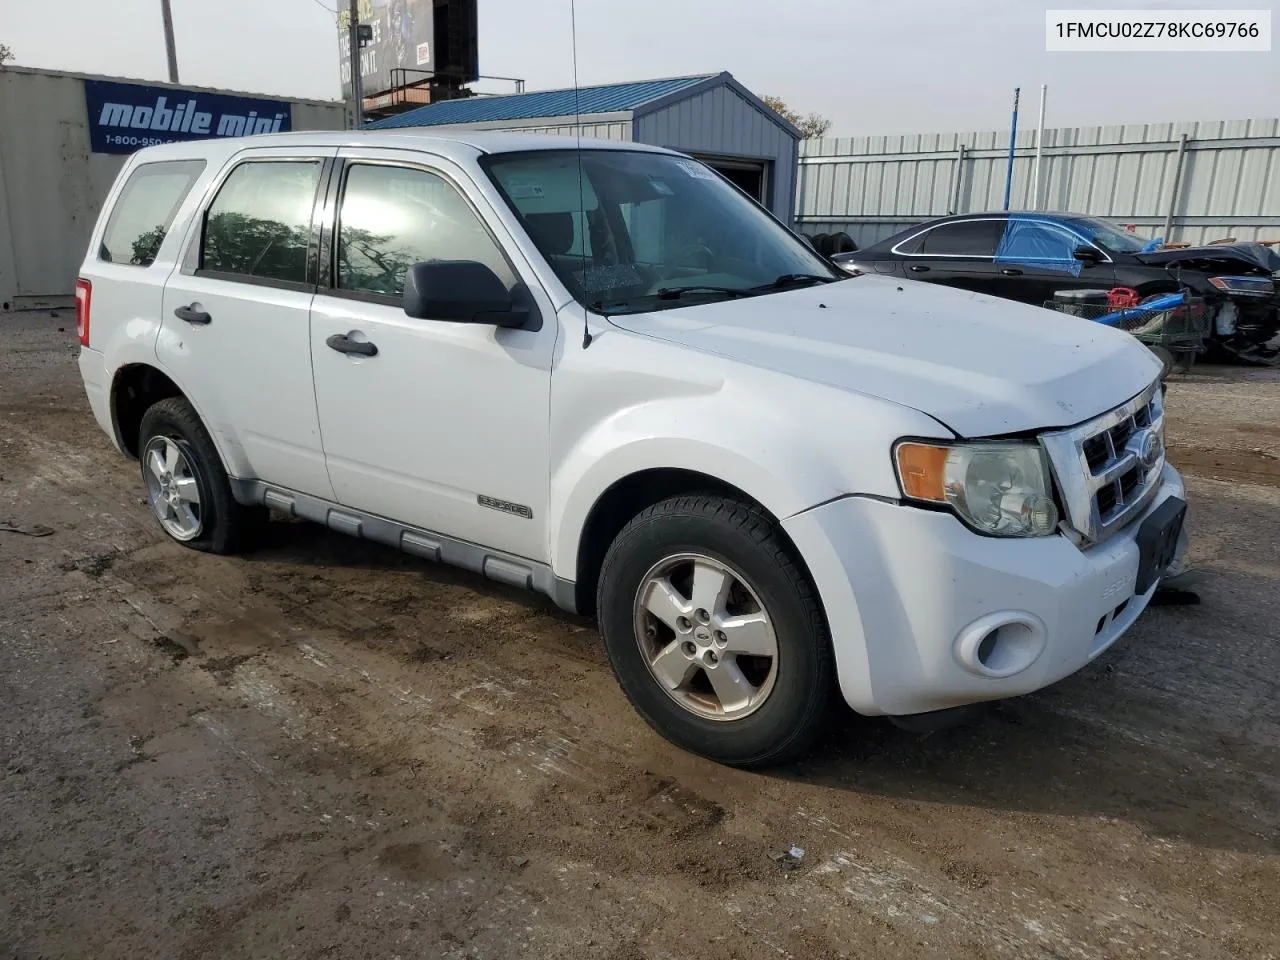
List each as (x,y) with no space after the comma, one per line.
(606,374)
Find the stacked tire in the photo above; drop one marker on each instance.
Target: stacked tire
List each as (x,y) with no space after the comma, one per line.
(830,244)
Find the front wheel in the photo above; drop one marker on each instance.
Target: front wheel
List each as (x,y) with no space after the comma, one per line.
(715,633)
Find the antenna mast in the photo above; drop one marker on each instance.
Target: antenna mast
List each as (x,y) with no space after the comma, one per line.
(582,190)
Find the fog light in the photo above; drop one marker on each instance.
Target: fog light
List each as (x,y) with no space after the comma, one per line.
(1001,644)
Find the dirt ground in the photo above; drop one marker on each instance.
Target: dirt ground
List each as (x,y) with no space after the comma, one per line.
(327,749)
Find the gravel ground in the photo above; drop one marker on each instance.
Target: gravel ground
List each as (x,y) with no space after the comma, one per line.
(327,749)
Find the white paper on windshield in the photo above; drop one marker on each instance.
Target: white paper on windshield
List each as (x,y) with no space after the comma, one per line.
(695,169)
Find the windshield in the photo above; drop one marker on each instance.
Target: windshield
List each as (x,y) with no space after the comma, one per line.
(648,231)
(1110,236)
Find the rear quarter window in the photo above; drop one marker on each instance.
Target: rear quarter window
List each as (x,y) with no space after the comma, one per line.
(144,212)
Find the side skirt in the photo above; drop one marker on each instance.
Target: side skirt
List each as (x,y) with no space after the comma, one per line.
(502,567)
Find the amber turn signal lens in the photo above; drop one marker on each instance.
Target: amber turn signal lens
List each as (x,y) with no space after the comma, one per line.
(922,469)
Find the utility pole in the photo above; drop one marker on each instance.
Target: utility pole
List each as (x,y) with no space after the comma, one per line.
(353,40)
(169,48)
(1035,176)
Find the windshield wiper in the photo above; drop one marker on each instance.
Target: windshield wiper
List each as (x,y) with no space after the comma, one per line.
(794,280)
(675,293)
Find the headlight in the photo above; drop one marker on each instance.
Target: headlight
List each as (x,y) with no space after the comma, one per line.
(1244,286)
(1000,489)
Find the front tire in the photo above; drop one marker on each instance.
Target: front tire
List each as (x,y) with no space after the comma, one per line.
(187,487)
(715,632)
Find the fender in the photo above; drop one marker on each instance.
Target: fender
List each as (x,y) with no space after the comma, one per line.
(768,459)
(134,345)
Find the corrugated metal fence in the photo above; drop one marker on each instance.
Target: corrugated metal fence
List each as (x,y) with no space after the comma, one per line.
(1204,181)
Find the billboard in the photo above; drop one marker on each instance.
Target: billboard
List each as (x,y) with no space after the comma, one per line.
(403,36)
(123,117)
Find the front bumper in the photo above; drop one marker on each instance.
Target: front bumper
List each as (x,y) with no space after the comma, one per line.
(910,593)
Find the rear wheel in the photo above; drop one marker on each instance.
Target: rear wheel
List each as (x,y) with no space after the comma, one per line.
(187,487)
(715,633)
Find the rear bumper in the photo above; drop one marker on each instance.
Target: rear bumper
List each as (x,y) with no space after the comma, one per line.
(97,387)
(910,595)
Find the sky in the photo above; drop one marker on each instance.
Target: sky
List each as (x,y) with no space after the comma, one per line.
(871,66)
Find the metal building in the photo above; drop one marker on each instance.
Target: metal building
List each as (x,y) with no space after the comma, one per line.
(63,139)
(712,117)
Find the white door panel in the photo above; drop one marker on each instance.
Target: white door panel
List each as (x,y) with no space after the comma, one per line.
(250,368)
(248,365)
(446,427)
(445,414)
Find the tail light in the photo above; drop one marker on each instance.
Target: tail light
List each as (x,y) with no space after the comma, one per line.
(84,293)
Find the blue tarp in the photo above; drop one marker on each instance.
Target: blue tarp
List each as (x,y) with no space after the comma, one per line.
(1147,308)
(1032,241)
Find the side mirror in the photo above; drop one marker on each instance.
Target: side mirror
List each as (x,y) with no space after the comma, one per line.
(462,291)
(1087,254)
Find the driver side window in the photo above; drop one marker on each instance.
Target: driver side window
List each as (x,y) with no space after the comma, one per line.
(393,217)
(1038,241)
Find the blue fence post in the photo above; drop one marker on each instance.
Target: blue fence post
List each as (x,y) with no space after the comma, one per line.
(1013,136)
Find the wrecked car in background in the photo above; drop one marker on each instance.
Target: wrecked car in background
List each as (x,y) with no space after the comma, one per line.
(1040,257)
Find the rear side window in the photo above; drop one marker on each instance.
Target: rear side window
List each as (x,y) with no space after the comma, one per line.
(145,211)
(259,224)
(966,238)
(911,244)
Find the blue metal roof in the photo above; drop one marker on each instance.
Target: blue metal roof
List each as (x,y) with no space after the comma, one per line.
(610,98)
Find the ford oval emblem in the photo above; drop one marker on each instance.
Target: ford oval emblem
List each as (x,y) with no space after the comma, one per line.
(1146,446)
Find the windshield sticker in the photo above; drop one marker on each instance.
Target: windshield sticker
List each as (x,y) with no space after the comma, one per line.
(661,186)
(695,169)
(526,191)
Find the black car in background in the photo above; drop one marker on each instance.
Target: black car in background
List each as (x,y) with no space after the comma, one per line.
(1036,257)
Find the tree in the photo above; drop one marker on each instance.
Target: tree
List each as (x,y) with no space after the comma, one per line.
(812,126)
(6,54)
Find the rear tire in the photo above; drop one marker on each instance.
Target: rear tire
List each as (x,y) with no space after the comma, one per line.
(187,486)
(744,652)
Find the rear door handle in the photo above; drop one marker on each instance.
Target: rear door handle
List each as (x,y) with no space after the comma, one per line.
(193,313)
(343,343)
(919,268)
(1010,272)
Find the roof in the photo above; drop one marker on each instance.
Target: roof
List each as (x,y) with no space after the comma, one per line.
(458,145)
(1044,214)
(609,98)
(12,68)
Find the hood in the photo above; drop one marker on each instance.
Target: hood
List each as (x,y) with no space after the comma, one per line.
(981,365)
(1253,254)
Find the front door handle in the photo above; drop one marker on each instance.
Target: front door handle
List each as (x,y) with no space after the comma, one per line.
(919,268)
(1010,272)
(193,313)
(343,343)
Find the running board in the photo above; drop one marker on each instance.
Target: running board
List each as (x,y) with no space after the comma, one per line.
(502,567)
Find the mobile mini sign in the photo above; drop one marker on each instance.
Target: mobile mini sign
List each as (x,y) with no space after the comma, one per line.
(124,117)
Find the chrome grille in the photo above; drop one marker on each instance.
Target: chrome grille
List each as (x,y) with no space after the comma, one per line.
(1108,468)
